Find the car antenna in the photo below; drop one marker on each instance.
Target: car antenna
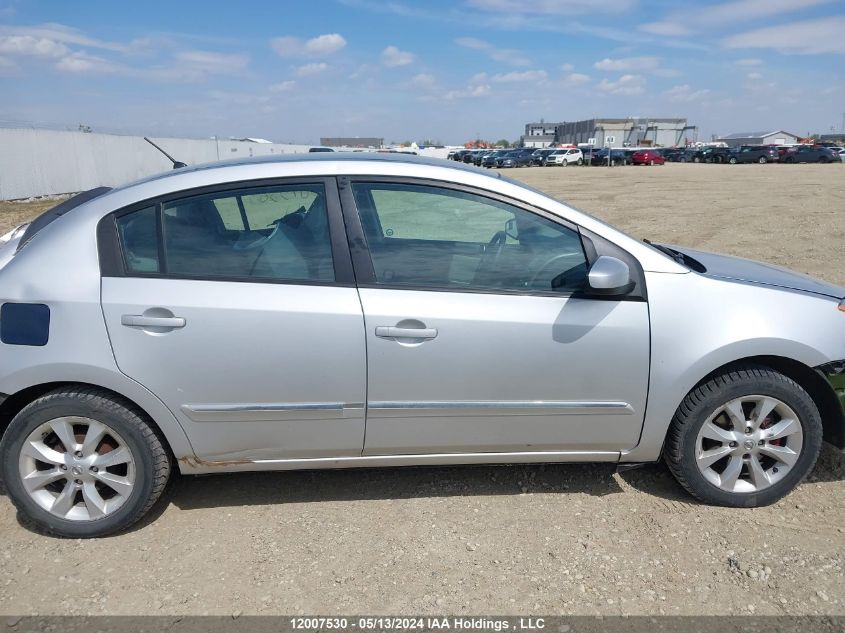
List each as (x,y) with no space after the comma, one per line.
(176,163)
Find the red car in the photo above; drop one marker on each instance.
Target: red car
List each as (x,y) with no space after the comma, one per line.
(647,157)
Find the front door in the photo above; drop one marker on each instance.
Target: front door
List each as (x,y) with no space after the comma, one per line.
(235,309)
(479,335)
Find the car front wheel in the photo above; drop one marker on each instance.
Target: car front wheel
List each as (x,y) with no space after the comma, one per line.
(745,438)
(82,462)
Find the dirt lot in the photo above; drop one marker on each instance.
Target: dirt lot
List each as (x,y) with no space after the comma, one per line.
(509,540)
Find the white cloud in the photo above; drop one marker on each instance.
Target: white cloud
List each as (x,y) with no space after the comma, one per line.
(749,61)
(567,68)
(59,33)
(505,55)
(528,75)
(801,38)
(476,87)
(211,62)
(392,57)
(754,76)
(320,46)
(685,93)
(625,85)
(553,7)
(284,86)
(684,22)
(325,44)
(577,79)
(311,69)
(625,64)
(424,80)
(81,62)
(669,29)
(31,46)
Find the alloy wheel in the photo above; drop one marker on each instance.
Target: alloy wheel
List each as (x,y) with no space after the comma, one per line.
(749,444)
(77,468)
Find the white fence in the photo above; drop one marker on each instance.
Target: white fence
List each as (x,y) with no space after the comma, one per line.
(42,162)
(45,162)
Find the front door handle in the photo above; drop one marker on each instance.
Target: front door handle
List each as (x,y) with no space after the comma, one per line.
(390,331)
(139,320)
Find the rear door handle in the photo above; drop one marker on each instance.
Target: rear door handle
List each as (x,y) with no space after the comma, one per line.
(139,320)
(390,331)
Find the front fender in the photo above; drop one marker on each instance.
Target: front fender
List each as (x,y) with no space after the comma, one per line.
(699,325)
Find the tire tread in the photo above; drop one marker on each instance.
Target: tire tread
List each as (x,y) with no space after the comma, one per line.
(129,413)
(691,405)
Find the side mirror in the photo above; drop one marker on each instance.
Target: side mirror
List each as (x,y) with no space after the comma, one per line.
(609,276)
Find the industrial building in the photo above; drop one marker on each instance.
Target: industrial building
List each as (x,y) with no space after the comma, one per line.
(629,132)
(353,141)
(776,137)
(540,134)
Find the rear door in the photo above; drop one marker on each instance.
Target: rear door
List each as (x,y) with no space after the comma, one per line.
(479,338)
(237,307)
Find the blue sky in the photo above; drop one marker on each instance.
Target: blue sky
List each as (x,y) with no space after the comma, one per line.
(403,70)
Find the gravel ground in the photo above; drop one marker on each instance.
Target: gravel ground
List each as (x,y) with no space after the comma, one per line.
(570,539)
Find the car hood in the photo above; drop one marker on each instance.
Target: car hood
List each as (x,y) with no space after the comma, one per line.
(739,269)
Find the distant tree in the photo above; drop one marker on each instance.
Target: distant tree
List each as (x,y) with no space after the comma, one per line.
(502,142)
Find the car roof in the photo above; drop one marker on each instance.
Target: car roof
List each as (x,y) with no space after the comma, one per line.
(316,157)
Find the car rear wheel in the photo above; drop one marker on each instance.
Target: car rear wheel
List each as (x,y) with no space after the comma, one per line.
(762,160)
(745,438)
(81,462)
(732,160)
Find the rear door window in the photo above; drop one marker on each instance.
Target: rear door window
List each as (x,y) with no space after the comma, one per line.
(274,233)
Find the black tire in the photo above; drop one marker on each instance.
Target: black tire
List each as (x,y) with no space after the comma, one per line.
(702,401)
(152,460)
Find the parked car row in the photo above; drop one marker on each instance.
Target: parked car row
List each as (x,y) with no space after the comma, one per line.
(520,157)
(756,154)
(563,156)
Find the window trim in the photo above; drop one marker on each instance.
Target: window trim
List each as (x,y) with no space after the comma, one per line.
(112,261)
(365,271)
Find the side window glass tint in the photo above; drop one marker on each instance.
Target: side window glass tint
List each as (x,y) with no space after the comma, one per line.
(442,238)
(139,240)
(277,233)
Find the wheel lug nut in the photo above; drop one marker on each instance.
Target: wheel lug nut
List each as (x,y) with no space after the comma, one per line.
(733,444)
(761,443)
(78,454)
(63,467)
(78,482)
(748,430)
(94,469)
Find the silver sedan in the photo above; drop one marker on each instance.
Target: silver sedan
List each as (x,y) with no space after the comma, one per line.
(338,311)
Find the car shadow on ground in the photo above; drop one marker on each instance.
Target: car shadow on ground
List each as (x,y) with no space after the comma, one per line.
(357,484)
(315,486)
